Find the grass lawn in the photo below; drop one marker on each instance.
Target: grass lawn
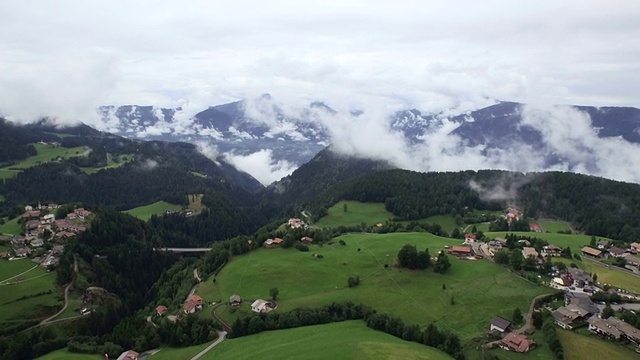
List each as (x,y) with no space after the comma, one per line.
(577,346)
(64,354)
(575,241)
(74,305)
(185,353)
(415,296)
(11,227)
(45,154)
(553,226)
(195,202)
(22,278)
(157,208)
(357,213)
(111,164)
(195,173)
(345,340)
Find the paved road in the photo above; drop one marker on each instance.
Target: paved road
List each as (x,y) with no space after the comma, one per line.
(195,275)
(529,319)
(221,336)
(179,250)
(66,303)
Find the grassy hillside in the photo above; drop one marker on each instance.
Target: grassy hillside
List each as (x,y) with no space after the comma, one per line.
(45,154)
(346,340)
(553,226)
(11,227)
(185,353)
(157,208)
(576,242)
(111,163)
(27,291)
(357,213)
(414,296)
(578,347)
(64,354)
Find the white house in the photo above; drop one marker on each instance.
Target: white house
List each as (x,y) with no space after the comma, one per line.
(260,306)
(500,324)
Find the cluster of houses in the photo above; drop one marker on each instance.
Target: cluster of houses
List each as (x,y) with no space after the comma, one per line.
(511,341)
(270,243)
(296,223)
(606,250)
(40,227)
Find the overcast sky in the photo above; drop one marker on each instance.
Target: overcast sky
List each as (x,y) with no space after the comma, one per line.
(64,58)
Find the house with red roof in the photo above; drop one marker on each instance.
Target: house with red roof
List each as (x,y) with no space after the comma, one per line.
(460,251)
(535,227)
(470,238)
(517,342)
(128,355)
(161,309)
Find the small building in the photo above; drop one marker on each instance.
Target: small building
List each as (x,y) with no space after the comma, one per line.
(235,300)
(551,250)
(295,223)
(36,243)
(260,306)
(461,251)
(517,342)
(306,240)
(589,251)
(529,252)
(634,247)
(616,251)
(468,238)
(535,227)
(161,309)
(500,324)
(277,241)
(569,317)
(603,244)
(582,301)
(128,355)
(193,304)
(495,245)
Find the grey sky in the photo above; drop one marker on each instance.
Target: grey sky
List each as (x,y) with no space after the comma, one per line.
(64,58)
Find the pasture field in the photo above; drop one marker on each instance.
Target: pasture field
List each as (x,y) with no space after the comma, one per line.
(11,227)
(45,154)
(64,354)
(577,346)
(415,296)
(553,226)
(357,213)
(575,241)
(447,222)
(344,340)
(195,202)
(195,173)
(111,164)
(157,208)
(185,353)
(27,291)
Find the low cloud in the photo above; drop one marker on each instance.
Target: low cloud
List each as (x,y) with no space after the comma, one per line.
(148,164)
(261,165)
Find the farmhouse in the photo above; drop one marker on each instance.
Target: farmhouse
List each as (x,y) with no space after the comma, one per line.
(579,276)
(460,251)
(500,324)
(273,242)
(161,309)
(306,240)
(260,306)
(634,247)
(568,317)
(529,252)
(616,251)
(535,227)
(235,300)
(277,241)
(128,355)
(495,245)
(614,329)
(35,243)
(551,250)
(589,251)
(603,244)
(469,238)
(193,304)
(517,342)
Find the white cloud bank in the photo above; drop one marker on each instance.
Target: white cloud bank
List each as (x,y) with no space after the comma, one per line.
(261,165)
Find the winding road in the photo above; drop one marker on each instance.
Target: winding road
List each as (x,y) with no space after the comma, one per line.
(221,336)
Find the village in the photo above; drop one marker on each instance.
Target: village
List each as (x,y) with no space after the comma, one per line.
(44,236)
(578,308)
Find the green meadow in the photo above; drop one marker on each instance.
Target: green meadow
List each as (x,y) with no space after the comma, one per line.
(45,154)
(64,354)
(575,241)
(11,227)
(415,296)
(185,353)
(553,226)
(356,214)
(157,208)
(577,347)
(344,340)
(111,163)
(27,292)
